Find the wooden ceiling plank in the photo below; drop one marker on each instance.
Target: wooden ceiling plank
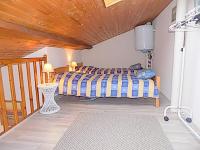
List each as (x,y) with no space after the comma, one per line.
(97,9)
(33,32)
(90,17)
(74,24)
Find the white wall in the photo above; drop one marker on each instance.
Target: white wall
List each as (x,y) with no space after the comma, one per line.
(58,57)
(178,44)
(164,49)
(191,90)
(116,52)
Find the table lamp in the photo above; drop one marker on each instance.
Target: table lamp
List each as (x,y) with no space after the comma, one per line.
(73,65)
(48,68)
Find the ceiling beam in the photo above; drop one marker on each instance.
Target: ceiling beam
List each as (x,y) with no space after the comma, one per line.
(41,34)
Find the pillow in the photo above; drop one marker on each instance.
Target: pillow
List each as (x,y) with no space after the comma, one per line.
(89,69)
(84,69)
(137,66)
(145,74)
(77,68)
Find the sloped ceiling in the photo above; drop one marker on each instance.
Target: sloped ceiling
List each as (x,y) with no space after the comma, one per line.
(27,25)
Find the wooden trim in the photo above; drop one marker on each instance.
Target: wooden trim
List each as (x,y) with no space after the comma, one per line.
(36,84)
(3,109)
(61,69)
(1,119)
(41,78)
(20,60)
(21,81)
(41,74)
(65,68)
(46,76)
(13,93)
(157,81)
(157,102)
(29,86)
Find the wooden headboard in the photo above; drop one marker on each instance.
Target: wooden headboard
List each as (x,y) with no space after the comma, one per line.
(65,68)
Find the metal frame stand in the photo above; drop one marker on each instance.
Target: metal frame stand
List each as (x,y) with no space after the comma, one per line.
(192,19)
(179,108)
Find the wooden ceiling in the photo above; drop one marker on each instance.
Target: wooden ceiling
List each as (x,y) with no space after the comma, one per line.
(27,25)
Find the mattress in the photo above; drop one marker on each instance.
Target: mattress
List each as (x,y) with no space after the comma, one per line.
(106,85)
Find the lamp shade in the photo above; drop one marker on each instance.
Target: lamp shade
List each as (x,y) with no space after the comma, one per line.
(74,64)
(48,68)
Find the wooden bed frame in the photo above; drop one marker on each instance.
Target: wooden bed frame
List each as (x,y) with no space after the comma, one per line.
(156,79)
(157,100)
(65,68)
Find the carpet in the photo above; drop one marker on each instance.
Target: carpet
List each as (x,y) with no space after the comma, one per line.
(114,131)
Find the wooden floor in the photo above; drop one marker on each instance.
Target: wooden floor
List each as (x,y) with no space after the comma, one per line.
(41,132)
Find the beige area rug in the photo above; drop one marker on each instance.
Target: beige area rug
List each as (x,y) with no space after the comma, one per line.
(114,131)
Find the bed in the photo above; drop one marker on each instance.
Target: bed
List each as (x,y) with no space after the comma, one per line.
(106,85)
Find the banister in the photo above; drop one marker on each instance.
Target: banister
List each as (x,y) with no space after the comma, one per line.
(23,113)
(21,60)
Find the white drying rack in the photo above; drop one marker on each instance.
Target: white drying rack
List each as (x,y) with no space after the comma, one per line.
(192,19)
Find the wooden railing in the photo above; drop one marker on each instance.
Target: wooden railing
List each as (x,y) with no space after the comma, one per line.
(13,111)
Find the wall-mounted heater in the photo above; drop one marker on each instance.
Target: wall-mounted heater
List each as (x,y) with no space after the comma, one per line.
(144,41)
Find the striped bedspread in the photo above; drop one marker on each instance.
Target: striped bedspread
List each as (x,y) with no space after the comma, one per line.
(107,85)
(95,70)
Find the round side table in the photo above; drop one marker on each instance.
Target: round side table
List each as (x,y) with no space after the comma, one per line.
(49,106)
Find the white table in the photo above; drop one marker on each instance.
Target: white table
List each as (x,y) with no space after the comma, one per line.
(49,106)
